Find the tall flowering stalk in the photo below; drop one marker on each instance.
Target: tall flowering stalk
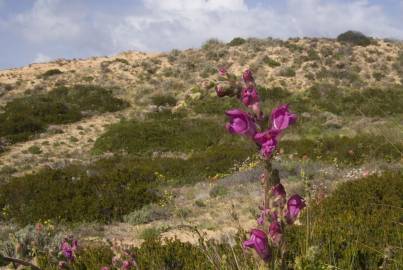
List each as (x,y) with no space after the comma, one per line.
(276,211)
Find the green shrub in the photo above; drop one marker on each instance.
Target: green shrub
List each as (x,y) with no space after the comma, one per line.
(355,38)
(88,258)
(173,254)
(346,150)
(106,191)
(214,105)
(236,41)
(24,117)
(287,72)
(163,100)
(34,150)
(147,214)
(355,224)
(271,62)
(50,72)
(171,134)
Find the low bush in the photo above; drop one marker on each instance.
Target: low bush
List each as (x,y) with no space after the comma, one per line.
(345,150)
(236,41)
(174,133)
(163,100)
(173,254)
(24,117)
(355,226)
(213,105)
(287,72)
(270,62)
(355,38)
(106,191)
(50,72)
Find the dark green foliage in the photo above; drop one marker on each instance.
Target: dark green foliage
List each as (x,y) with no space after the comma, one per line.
(214,105)
(163,100)
(326,97)
(105,191)
(345,150)
(273,94)
(236,41)
(354,226)
(27,116)
(175,255)
(368,102)
(171,134)
(50,72)
(355,38)
(89,258)
(271,62)
(287,72)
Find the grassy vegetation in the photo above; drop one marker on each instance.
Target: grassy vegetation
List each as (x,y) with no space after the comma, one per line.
(354,227)
(24,117)
(168,132)
(345,150)
(357,227)
(105,191)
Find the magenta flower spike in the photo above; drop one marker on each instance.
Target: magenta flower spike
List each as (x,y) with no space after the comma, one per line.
(127,265)
(68,250)
(294,206)
(281,118)
(267,141)
(219,89)
(240,123)
(222,72)
(247,76)
(259,241)
(249,96)
(275,232)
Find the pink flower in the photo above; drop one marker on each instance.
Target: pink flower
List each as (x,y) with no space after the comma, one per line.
(68,250)
(267,141)
(105,268)
(127,265)
(281,118)
(259,241)
(247,76)
(222,72)
(240,123)
(275,232)
(294,206)
(219,89)
(249,96)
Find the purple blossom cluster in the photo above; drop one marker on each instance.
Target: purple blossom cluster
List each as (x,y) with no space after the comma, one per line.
(273,221)
(244,123)
(67,251)
(279,211)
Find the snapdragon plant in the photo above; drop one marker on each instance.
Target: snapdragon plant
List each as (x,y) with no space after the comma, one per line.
(276,211)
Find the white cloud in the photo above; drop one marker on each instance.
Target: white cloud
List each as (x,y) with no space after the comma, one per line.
(78,28)
(48,21)
(166,24)
(186,5)
(41,58)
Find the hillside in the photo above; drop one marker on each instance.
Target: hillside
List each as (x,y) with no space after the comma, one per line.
(146,130)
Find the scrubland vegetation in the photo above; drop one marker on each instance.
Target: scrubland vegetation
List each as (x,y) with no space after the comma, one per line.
(168,163)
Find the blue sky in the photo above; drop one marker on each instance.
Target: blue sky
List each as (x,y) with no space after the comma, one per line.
(42,30)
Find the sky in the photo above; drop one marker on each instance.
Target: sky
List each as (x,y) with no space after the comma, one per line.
(33,31)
